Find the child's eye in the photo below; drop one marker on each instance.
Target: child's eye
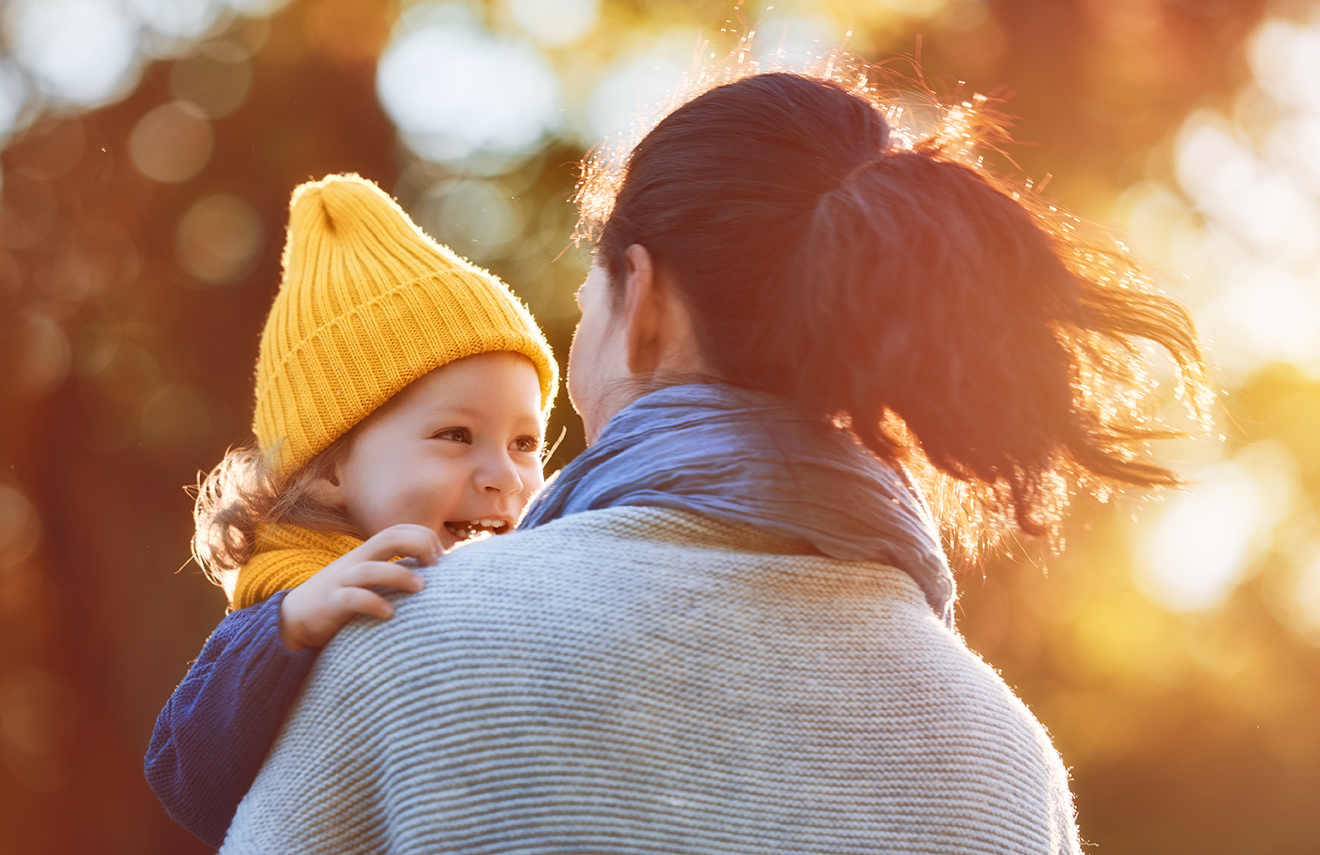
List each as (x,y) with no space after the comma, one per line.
(454,434)
(528,444)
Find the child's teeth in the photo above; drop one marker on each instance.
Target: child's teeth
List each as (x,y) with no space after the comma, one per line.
(470,527)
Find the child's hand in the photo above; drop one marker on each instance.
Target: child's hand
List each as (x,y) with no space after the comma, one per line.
(315,610)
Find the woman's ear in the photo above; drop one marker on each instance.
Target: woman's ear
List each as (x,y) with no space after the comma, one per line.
(659,329)
(641,310)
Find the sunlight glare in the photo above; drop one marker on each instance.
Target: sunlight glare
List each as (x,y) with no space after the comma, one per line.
(1207,538)
(1297,140)
(1274,313)
(1245,226)
(1256,201)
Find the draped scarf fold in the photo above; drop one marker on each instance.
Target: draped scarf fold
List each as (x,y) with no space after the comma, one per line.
(749,457)
(284,557)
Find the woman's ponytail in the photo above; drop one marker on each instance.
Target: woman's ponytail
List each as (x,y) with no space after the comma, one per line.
(900,291)
(946,302)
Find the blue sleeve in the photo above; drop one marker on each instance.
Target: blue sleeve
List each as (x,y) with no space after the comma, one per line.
(219,724)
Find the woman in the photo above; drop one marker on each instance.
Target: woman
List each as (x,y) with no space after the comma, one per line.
(727,626)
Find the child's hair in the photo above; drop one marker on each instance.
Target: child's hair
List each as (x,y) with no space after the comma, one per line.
(897,288)
(244,492)
(367,305)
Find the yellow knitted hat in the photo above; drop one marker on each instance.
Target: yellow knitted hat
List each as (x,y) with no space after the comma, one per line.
(369,304)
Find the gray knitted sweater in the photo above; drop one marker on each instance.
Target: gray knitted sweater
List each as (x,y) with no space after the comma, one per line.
(643,680)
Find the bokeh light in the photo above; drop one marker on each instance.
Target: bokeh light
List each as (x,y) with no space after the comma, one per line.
(477,218)
(79,51)
(1210,535)
(217,78)
(218,239)
(41,355)
(455,89)
(13,97)
(20,527)
(555,23)
(172,143)
(38,715)
(1239,218)
(85,53)
(1302,600)
(176,420)
(795,40)
(28,208)
(1286,59)
(637,85)
(1242,221)
(176,21)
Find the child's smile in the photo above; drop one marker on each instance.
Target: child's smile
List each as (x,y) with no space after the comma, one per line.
(471,528)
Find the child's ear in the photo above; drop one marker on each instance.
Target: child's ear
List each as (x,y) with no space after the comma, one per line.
(326,489)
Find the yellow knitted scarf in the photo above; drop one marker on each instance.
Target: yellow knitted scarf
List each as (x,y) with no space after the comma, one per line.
(284,557)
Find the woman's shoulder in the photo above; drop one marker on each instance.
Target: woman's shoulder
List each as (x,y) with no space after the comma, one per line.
(644,527)
(633,578)
(627,648)
(649,555)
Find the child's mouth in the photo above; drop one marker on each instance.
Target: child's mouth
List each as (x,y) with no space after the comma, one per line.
(471,528)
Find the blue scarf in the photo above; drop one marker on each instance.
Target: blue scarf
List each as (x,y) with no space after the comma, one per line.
(748,457)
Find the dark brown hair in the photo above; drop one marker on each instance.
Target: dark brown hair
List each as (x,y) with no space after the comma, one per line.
(899,289)
(244,492)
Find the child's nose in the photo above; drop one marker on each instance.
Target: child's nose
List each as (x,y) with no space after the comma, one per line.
(500,476)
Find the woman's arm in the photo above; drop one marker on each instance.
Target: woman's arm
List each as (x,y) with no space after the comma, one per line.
(217,727)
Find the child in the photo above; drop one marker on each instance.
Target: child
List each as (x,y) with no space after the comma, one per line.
(401,396)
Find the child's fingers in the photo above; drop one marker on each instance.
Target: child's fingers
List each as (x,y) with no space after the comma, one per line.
(413,541)
(388,574)
(362,601)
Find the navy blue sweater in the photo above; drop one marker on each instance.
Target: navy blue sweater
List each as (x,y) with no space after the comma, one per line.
(219,724)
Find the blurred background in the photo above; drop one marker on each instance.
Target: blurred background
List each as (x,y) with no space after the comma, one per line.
(149,148)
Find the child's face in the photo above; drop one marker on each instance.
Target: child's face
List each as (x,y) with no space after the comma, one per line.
(454,451)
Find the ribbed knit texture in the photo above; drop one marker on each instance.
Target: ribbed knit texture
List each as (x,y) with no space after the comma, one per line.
(368,304)
(645,680)
(285,557)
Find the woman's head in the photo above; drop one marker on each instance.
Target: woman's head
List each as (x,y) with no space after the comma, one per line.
(895,289)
